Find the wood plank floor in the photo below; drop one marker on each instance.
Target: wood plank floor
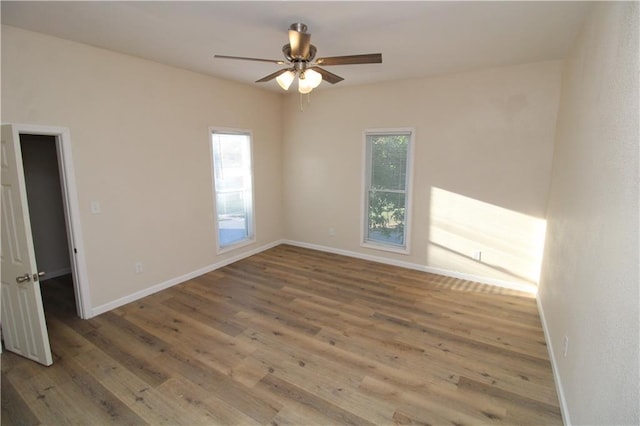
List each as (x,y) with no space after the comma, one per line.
(292,336)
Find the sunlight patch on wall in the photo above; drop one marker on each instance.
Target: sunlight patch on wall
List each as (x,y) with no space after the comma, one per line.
(475,237)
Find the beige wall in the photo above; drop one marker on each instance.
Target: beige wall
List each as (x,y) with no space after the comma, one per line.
(139,134)
(589,286)
(483,154)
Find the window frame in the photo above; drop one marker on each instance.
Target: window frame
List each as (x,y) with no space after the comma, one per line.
(251,213)
(408,191)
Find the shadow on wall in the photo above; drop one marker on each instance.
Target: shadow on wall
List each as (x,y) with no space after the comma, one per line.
(479,238)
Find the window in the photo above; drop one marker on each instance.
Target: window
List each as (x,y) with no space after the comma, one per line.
(233,182)
(386,191)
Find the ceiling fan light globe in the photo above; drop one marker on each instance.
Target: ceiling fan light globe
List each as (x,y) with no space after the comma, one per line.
(285,79)
(304,86)
(313,78)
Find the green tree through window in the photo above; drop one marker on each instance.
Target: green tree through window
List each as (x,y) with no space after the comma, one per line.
(386,196)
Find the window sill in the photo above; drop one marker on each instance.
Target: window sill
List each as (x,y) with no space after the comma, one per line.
(239,244)
(383,247)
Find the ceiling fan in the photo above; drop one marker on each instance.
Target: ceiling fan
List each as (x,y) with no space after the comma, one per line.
(300,59)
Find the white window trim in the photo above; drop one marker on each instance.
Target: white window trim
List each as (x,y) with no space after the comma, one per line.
(409,192)
(252,219)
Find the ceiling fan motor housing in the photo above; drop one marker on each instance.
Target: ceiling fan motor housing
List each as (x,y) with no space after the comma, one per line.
(286,50)
(299,27)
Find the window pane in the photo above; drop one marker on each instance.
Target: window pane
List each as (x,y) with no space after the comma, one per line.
(386,217)
(233,193)
(389,161)
(232,217)
(387,189)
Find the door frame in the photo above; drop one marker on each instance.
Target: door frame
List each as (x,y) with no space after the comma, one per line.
(71,210)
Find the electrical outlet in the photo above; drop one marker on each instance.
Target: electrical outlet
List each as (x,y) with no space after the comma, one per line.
(565,346)
(477,255)
(332,232)
(138,267)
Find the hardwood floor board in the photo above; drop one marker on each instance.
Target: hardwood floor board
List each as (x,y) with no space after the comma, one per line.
(293,336)
(297,364)
(321,378)
(297,414)
(214,348)
(15,411)
(480,367)
(361,363)
(433,405)
(483,330)
(89,386)
(202,407)
(201,311)
(402,418)
(67,339)
(136,338)
(455,334)
(450,301)
(143,399)
(128,355)
(468,355)
(254,299)
(322,315)
(327,302)
(310,400)
(58,301)
(218,307)
(11,361)
(54,401)
(254,273)
(280,312)
(257,405)
(442,366)
(391,356)
(248,372)
(520,408)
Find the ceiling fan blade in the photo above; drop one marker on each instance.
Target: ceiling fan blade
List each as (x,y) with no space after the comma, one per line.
(328,76)
(272,75)
(242,58)
(369,58)
(300,43)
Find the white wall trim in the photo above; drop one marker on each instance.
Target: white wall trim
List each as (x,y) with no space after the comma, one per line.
(528,288)
(554,366)
(178,280)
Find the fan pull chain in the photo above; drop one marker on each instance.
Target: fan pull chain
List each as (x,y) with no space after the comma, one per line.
(301,103)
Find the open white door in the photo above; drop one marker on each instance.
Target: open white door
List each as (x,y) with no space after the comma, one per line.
(24,329)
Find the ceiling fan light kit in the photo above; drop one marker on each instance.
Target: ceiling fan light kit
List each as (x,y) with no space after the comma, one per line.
(299,56)
(285,79)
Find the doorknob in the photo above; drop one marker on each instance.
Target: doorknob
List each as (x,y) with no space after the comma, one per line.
(23,278)
(38,275)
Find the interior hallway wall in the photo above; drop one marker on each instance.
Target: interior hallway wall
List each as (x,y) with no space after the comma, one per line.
(589,291)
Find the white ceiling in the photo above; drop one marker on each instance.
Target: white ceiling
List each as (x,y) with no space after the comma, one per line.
(416,38)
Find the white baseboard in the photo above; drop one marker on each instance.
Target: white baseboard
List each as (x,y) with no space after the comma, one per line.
(528,288)
(554,366)
(177,280)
